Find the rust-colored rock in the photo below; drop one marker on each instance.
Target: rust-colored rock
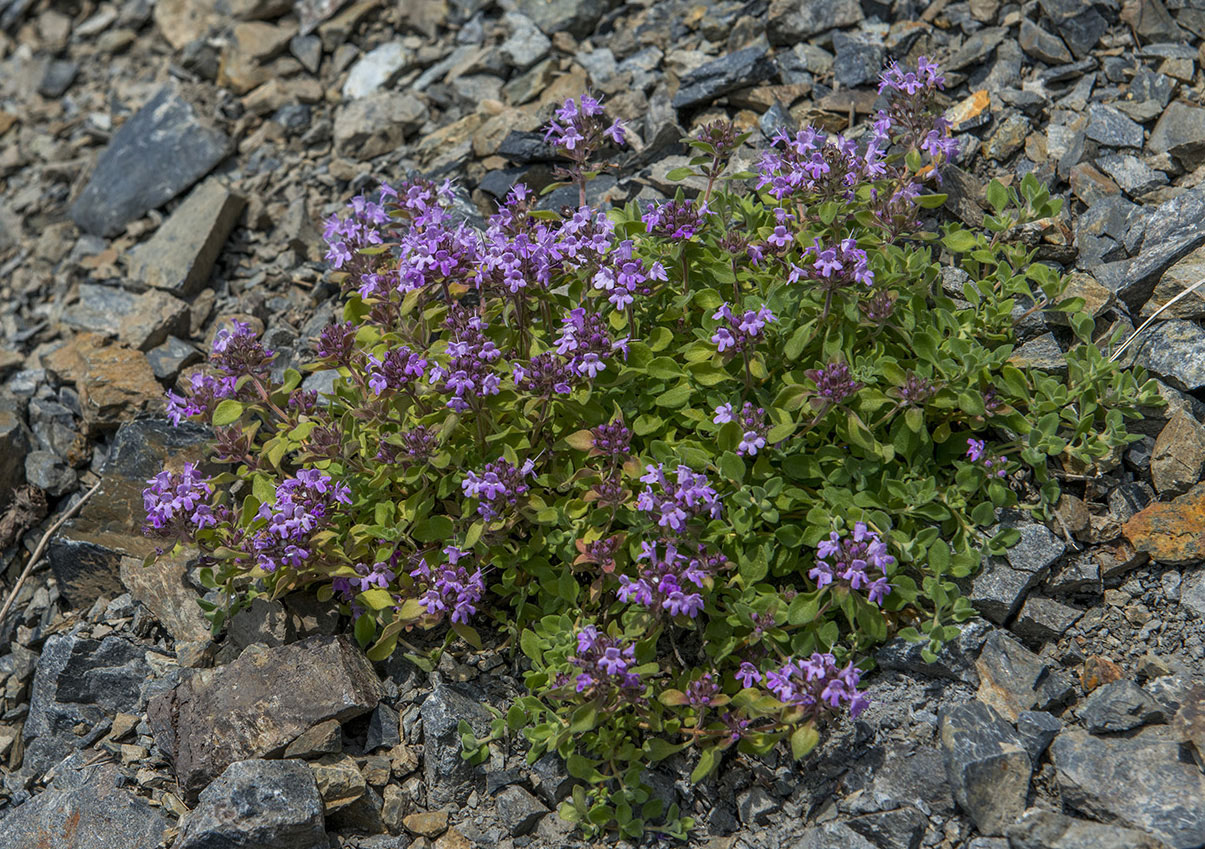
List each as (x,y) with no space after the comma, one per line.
(1172,533)
(257,705)
(970,112)
(115,383)
(1098,671)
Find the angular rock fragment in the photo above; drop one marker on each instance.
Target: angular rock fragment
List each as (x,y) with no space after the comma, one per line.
(1180,131)
(791,21)
(257,705)
(987,766)
(1013,679)
(1178,456)
(257,804)
(115,382)
(1039,829)
(181,254)
(1001,584)
(704,84)
(159,152)
(448,776)
(377,124)
(518,810)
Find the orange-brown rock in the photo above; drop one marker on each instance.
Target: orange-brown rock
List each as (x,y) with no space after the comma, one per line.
(1172,533)
(115,382)
(1098,671)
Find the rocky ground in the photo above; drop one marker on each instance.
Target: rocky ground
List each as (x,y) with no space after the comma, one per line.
(165,166)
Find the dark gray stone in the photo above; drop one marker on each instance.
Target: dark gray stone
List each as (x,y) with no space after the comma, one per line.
(1139,781)
(1012,679)
(518,810)
(257,705)
(1109,127)
(1119,706)
(14,443)
(1150,85)
(77,682)
(525,148)
(987,766)
(1175,352)
(1079,24)
(1131,174)
(1041,45)
(1001,584)
(577,17)
(170,358)
(1181,132)
(903,828)
(755,806)
(1044,619)
(1037,729)
(913,775)
(46,471)
(257,804)
(858,61)
(704,84)
(60,74)
(551,780)
(158,153)
(383,729)
(449,778)
(91,810)
(791,21)
(976,49)
(1039,829)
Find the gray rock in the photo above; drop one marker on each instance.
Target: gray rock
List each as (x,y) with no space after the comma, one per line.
(1079,24)
(376,69)
(1180,132)
(170,358)
(1139,781)
(1174,351)
(377,124)
(1192,592)
(264,622)
(450,779)
(1000,586)
(858,60)
(384,731)
(577,17)
(181,254)
(976,49)
(903,828)
(526,44)
(1131,174)
(550,778)
(14,443)
(77,682)
(257,804)
(912,775)
(1039,829)
(755,806)
(257,705)
(704,84)
(100,309)
(48,473)
(518,811)
(1037,729)
(60,74)
(1109,127)
(1012,679)
(1044,619)
(986,764)
(1119,706)
(955,661)
(158,153)
(91,811)
(1041,45)
(791,21)
(1174,229)
(363,815)
(1177,458)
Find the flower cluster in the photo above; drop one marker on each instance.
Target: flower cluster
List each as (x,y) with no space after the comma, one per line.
(815,683)
(612,440)
(811,163)
(238,351)
(977,452)
(416,446)
(624,276)
(397,370)
(753,426)
(449,588)
(915,390)
(852,555)
(676,220)
(469,374)
(738,333)
(834,384)
(500,485)
(578,126)
(359,230)
(675,501)
(605,662)
(668,580)
(177,505)
(303,505)
(834,267)
(204,393)
(586,342)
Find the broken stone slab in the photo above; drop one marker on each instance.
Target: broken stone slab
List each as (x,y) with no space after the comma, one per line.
(986,764)
(518,810)
(1174,351)
(1119,706)
(140,321)
(1178,456)
(257,804)
(1171,533)
(92,811)
(1037,729)
(955,660)
(1012,679)
(1180,131)
(180,255)
(1183,274)
(376,69)
(741,68)
(1138,781)
(79,682)
(164,589)
(1040,829)
(1001,584)
(160,151)
(340,782)
(86,554)
(449,777)
(792,21)
(259,704)
(377,124)
(115,382)
(1044,619)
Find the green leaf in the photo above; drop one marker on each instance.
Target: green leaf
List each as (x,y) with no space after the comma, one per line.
(365,630)
(376,599)
(997,195)
(432,529)
(663,368)
(677,175)
(931,201)
(732,467)
(675,397)
(709,759)
(959,241)
(227,412)
(803,740)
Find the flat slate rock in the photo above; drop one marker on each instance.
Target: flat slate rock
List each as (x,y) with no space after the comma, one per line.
(95,813)
(1139,781)
(159,152)
(257,705)
(257,804)
(742,68)
(987,765)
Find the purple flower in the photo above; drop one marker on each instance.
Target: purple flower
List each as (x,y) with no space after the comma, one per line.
(748,674)
(818,684)
(604,663)
(675,502)
(834,384)
(852,556)
(975,449)
(178,505)
(723,414)
(738,332)
(499,486)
